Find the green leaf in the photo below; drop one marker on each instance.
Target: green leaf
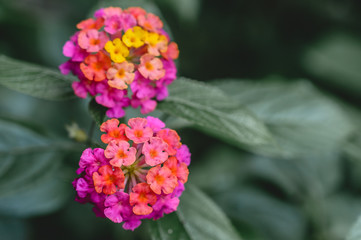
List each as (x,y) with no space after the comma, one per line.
(168,227)
(274,219)
(34,80)
(355,232)
(301,119)
(340,212)
(213,112)
(197,217)
(202,218)
(13,228)
(336,60)
(97,112)
(30,178)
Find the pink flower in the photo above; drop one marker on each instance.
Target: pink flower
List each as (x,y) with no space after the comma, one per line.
(146,105)
(92,160)
(150,22)
(107,181)
(82,88)
(151,67)
(120,75)
(117,111)
(117,207)
(92,40)
(116,23)
(83,188)
(164,205)
(90,24)
(155,151)
(129,183)
(136,11)
(170,73)
(142,88)
(109,97)
(120,153)
(172,51)
(128,21)
(113,24)
(111,11)
(138,131)
(113,131)
(161,179)
(172,138)
(141,197)
(155,123)
(180,170)
(178,190)
(72,50)
(183,155)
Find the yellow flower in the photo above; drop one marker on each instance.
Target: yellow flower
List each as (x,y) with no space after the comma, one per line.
(118,51)
(156,43)
(134,37)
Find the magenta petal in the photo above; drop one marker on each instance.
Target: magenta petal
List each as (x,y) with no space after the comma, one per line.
(132,224)
(68,49)
(148,106)
(155,123)
(79,89)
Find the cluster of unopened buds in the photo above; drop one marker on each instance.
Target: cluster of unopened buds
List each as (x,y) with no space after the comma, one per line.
(117,50)
(140,174)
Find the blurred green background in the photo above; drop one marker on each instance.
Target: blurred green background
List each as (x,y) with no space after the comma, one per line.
(313,194)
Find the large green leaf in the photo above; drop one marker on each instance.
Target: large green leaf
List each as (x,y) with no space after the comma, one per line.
(213,112)
(197,217)
(340,212)
(355,232)
(168,228)
(30,178)
(274,219)
(336,60)
(301,119)
(34,80)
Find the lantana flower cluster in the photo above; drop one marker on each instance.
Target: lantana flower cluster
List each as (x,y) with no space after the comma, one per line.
(118,50)
(139,175)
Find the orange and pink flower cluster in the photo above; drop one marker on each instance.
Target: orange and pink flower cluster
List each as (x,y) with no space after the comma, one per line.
(117,50)
(139,175)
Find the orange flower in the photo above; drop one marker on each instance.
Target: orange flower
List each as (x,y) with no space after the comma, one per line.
(140,197)
(161,179)
(172,138)
(112,131)
(106,180)
(95,66)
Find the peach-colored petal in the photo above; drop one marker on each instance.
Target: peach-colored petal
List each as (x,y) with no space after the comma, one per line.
(120,75)
(172,138)
(120,153)
(113,131)
(106,180)
(151,67)
(138,131)
(161,179)
(155,151)
(141,197)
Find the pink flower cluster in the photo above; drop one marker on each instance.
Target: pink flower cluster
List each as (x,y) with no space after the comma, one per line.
(118,49)
(140,174)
